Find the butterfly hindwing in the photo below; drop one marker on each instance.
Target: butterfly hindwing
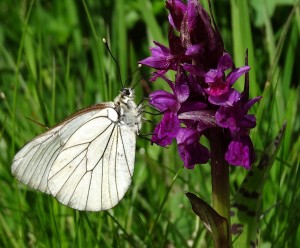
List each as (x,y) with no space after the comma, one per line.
(84,175)
(33,162)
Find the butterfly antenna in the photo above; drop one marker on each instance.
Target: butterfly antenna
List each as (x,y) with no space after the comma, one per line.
(36,122)
(117,64)
(143,77)
(132,74)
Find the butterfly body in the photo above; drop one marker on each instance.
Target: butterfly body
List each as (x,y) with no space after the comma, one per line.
(87,160)
(129,113)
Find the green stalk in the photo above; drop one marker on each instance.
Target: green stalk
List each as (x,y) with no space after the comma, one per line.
(220,175)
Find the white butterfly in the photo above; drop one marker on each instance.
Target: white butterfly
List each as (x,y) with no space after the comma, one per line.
(87,160)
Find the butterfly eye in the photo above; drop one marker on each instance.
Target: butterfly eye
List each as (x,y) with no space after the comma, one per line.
(126,92)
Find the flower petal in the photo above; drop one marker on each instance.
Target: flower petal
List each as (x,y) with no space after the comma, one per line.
(187,136)
(251,102)
(157,62)
(196,87)
(236,74)
(182,90)
(160,50)
(160,57)
(193,154)
(225,62)
(158,74)
(240,152)
(214,76)
(189,148)
(166,130)
(226,117)
(163,100)
(227,99)
(196,50)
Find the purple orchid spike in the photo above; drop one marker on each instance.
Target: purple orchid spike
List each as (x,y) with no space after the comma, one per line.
(202,95)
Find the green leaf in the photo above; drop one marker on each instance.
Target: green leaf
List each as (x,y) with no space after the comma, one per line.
(248,199)
(215,223)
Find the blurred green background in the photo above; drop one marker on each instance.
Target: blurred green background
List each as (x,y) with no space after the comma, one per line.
(53,62)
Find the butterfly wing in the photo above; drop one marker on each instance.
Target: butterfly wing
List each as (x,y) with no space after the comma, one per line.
(86,162)
(32,163)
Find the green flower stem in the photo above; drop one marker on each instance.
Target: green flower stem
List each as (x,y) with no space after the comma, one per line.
(220,174)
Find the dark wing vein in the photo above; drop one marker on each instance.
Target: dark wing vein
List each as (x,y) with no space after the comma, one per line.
(81,152)
(110,152)
(66,194)
(43,154)
(32,157)
(87,162)
(71,176)
(106,147)
(115,163)
(127,163)
(91,119)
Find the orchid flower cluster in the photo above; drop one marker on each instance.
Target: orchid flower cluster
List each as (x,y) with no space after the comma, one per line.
(202,96)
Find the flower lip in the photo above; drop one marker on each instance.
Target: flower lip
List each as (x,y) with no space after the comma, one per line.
(240,152)
(166,130)
(189,148)
(163,100)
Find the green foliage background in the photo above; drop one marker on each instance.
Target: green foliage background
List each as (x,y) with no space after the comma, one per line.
(53,62)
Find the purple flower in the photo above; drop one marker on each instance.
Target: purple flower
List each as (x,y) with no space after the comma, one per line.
(202,95)
(161,58)
(163,101)
(215,78)
(189,148)
(220,89)
(166,130)
(240,152)
(235,118)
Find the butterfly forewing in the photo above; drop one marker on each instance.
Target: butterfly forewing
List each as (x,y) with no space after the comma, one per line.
(31,166)
(32,163)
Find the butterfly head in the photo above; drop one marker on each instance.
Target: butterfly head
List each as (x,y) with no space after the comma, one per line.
(126,95)
(127,92)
